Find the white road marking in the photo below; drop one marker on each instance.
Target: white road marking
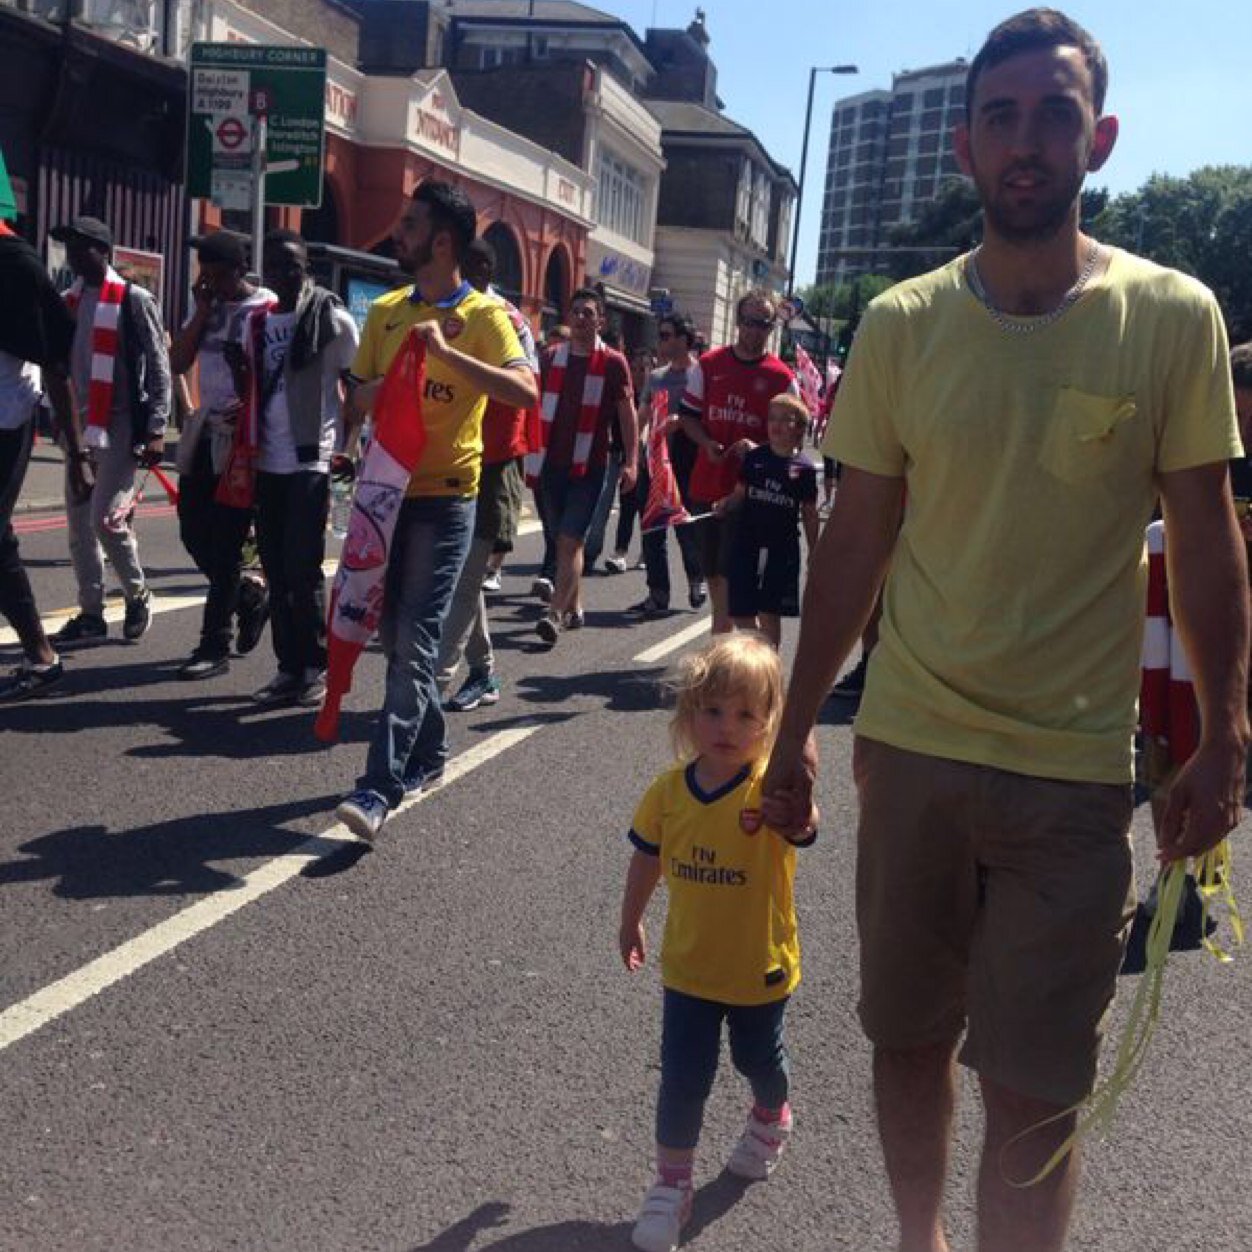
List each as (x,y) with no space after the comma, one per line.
(67,993)
(673,643)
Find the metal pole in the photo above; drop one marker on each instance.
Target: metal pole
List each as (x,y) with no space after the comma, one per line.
(259,129)
(804,160)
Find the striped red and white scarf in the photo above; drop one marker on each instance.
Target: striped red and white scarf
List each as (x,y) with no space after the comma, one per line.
(588,412)
(236,486)
(104,338)
(1167,705)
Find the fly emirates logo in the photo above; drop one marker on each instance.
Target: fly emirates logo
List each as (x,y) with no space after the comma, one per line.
(703,868)
(734,412)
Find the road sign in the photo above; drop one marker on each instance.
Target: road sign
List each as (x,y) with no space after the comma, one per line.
(231,83)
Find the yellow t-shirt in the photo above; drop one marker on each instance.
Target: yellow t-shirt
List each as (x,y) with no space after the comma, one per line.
(1013,611)
(451,408)
(730,930)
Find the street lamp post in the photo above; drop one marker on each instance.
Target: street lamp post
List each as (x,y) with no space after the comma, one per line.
(804,160)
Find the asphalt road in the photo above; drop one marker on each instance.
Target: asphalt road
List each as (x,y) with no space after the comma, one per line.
(433,1047)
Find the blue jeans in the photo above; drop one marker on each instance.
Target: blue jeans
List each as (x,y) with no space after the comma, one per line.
(600,518)
(691,1037)
(427,551)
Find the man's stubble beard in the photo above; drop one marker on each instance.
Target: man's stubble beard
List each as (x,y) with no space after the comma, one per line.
(1042,223)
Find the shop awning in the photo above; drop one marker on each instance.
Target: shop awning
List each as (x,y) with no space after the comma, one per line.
(616,298)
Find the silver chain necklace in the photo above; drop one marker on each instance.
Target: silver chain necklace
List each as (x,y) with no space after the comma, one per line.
(1029,325)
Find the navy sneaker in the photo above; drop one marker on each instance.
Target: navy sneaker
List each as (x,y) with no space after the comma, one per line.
(480,687)
(363,813)
(29,680)
(422,780)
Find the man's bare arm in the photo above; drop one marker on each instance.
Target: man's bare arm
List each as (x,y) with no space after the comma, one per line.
(1208,581)
(846,571)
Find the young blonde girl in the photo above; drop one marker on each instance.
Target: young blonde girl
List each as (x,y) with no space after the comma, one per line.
(730,952)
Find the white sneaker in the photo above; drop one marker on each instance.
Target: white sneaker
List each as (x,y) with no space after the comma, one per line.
(491,580)
(664,1213)
(761,1146)
(616,563)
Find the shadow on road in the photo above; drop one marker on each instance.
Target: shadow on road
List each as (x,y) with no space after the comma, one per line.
(167,858)
(712,1202)
(214,722)
(623,691)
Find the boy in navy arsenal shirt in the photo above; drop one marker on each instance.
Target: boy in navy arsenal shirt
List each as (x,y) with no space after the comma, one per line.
(777,490)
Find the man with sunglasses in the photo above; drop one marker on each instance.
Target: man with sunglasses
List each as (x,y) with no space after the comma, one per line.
(724,412)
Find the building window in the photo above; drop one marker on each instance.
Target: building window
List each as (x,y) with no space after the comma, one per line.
(620,198)
(508,272)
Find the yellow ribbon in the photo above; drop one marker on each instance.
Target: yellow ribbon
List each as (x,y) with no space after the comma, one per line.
(1096,1113)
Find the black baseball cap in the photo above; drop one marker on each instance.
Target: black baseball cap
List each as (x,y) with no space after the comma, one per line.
(223,247)
(92,229)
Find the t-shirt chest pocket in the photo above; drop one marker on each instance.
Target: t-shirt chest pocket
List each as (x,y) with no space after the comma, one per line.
(1089,436)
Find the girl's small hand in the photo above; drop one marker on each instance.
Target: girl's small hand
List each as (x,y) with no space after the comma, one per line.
(633,946)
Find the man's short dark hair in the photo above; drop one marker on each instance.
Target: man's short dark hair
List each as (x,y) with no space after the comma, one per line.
(1241,366)
(1031,31)
(451,212)
(682,326)
(755,296)
(276,239)
(222,247)
(588,293)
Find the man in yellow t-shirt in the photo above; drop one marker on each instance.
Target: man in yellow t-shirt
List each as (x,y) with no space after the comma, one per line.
(472,355)
(1006,425)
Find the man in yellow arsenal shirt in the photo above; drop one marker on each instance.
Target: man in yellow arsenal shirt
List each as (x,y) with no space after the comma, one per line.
(472,356)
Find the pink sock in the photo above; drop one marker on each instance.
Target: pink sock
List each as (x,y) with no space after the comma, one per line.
(772,1117)
(675,1175)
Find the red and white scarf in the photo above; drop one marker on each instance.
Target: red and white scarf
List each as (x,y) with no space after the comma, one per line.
(588,412)
(236,486)
(1168,711)
(104,337)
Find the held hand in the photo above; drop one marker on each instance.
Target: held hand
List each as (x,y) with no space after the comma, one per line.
(80,479)
(630,475)
(714,451)
(740,448)
(151,452)
(203,295)
(633,946)
(787,789)
(1205,802)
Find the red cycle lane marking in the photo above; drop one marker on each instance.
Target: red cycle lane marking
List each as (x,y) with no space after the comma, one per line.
(34,525)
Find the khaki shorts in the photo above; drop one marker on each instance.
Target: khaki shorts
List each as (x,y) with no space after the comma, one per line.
(991,903)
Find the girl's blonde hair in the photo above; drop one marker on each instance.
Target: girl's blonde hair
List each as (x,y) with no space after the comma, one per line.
(743,664)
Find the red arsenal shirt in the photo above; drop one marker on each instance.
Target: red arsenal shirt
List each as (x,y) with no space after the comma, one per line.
(731,397)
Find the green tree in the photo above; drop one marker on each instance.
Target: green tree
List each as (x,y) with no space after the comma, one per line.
(949,224)
(1201,224)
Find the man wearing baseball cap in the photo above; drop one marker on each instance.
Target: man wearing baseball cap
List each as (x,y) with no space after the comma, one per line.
(212,532)
(120,368)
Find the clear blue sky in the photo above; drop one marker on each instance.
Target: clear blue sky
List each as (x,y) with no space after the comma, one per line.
(1180,74)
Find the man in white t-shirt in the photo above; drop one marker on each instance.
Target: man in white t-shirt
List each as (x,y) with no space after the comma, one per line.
(214,533)
(304,346)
